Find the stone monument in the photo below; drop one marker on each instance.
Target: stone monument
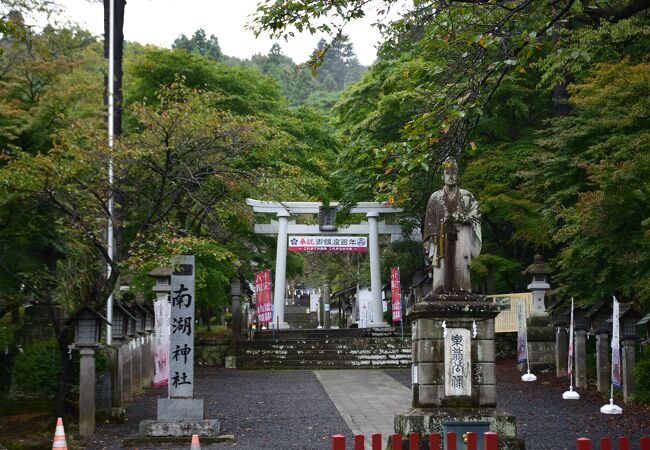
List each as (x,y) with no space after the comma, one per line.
(453,370)
(181,414)
(541,333)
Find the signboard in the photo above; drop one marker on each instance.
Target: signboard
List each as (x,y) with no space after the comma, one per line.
(263,302)
(181,341)
(328,244)
(396,294)
(458,380)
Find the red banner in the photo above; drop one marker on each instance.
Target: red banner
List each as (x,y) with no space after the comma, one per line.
(396,294)
(263,302)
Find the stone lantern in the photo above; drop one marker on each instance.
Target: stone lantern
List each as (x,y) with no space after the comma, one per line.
(149,322)
(539,272)
(121,317)
(163,277)
(88,329)
(140,356)
(540,333)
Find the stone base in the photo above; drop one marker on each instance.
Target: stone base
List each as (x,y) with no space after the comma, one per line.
(180,409)
(541,344)
(160,428)
(431,420)
(231,362)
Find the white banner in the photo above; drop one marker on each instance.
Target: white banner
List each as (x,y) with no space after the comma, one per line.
(162,311)
(522,347)
(328,244)
(616,349)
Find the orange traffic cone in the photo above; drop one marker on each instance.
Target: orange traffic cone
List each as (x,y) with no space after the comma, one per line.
(195,442)
(59,436)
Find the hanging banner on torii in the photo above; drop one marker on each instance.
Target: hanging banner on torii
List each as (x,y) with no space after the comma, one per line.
(328,243)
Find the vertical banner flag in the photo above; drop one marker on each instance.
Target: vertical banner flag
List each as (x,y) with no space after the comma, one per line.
(569,369)
(522,348)
(263,297)
(396,294)
(616,350)
(162,310)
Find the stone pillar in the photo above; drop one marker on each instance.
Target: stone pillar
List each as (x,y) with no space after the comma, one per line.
(561,351)
(326,307)
(280,271)
(603,369)
(87,391)
(128,370)
(580,353)
(136,366)
(112,354)
(181,414)
(628,362)
(375,270)
(236,314)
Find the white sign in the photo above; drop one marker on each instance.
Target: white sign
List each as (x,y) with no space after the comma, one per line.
(328,243)
(458,379)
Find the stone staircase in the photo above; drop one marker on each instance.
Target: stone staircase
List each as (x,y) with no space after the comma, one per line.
(355,348)
(298,317)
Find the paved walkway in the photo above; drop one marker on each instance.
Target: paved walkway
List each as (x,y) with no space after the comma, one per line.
(366,399)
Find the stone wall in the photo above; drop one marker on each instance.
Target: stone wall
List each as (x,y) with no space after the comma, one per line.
(213,351)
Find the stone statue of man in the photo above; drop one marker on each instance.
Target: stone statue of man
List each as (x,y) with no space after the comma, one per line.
(452,233)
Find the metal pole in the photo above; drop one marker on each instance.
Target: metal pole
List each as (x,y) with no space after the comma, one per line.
(111,134)
(326,306)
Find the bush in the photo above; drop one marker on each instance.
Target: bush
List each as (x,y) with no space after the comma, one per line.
(642,376)
(35,372)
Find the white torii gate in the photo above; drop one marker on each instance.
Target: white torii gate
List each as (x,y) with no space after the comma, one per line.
(282,227)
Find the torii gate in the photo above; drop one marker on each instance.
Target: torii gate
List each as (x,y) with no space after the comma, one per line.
(282,227)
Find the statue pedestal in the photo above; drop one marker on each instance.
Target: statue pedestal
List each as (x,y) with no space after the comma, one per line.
(454,377)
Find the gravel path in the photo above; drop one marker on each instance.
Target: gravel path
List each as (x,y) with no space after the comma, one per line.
(263,409)
(290,410)
(547,422)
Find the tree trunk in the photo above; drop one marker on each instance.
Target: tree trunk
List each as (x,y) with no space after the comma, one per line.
(63,402)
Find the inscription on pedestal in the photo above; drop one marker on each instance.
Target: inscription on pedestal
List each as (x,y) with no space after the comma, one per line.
(458,376)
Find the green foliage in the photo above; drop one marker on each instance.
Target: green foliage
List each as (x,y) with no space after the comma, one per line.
(642,376)
(595,168)
(405,254)
(201,44)
(35,372)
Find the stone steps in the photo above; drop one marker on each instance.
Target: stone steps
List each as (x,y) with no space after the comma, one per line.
(322,349)
(261,364)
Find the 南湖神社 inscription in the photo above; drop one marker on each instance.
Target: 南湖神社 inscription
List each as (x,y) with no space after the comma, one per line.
(181,345)
(458,381)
